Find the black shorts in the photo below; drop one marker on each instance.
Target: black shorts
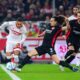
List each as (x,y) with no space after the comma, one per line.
(74,40)
(45,49)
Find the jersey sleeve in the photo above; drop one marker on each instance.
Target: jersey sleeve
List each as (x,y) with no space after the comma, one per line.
(5,24)
(24,29)
(24,35)
(72,22)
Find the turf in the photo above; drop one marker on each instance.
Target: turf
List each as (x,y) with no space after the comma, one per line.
(4,76)
(46,72)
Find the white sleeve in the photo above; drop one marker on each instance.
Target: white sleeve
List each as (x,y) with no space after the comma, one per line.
(5,24)
(24,29)
(24,36)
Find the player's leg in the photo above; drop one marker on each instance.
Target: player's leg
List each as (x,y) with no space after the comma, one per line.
(15,58)
(73,46)
(63,63)
(37,51)
(28,57)
(52,53)
(70,55)
(9,49)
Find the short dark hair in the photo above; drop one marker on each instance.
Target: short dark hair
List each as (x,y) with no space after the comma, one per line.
(60,19)
(19,19)
(55,17)
(75,7)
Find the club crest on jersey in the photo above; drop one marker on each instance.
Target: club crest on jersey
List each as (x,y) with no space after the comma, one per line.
(16,32)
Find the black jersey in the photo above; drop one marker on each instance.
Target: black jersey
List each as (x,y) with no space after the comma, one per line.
(74,35)
(75,27)
(51,35)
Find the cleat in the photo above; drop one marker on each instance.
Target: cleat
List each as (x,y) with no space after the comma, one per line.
(61,68)
(18,69)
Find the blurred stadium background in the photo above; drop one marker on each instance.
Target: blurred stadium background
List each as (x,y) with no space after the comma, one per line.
(35,13)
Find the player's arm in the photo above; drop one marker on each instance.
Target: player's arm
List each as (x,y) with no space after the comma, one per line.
(24,34)
(65,28)
(4,25)
(42,34)
(23,38)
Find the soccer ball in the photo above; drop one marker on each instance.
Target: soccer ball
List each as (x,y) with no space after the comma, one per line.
(10,66)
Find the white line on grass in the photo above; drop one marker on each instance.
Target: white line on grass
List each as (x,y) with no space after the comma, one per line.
(13,76)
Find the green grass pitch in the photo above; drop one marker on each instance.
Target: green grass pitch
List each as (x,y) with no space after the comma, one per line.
(46,72)
(42,72)
(3,75)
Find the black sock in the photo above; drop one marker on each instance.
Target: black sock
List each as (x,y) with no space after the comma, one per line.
(65,64)
(70,59)
(24,61)
(69,53)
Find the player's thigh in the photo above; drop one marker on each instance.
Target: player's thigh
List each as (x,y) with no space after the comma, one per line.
(50,51)
(41,50)
(9,48)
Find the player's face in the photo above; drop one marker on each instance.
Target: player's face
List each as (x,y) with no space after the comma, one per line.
(78,16)
(75,10)
(19,24)
(52,22)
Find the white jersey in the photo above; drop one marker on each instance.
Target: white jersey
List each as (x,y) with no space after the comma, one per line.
(72,18)
(15,34)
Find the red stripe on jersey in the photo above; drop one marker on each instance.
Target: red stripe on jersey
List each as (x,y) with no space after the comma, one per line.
(17,33)
(68,33)
(54,37)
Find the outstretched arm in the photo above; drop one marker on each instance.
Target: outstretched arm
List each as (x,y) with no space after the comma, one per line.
(4,25)
(42,34)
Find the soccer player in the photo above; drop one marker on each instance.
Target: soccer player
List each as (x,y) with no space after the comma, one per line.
(73,39)
(52,32)
(72,17)
(74,14)
(16,36)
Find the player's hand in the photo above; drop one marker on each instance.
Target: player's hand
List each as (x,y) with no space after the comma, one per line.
(64,37)
(18,45)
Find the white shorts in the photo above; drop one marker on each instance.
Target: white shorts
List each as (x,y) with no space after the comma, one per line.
(10,46)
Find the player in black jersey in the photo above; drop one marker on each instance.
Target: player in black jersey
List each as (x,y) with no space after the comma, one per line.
(51,34)
(73,39)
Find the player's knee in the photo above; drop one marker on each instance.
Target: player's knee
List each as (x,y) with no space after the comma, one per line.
(55,58)
(71,48)
(57,61)
(8,55)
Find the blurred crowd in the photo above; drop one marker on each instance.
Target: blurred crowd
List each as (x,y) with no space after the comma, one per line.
(27,9)
(34,9)
(64,7)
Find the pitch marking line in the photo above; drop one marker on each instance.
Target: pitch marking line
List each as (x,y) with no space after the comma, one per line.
(13,76)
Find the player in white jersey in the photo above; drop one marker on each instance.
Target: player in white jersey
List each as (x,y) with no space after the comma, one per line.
(16,36)
(74,13)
